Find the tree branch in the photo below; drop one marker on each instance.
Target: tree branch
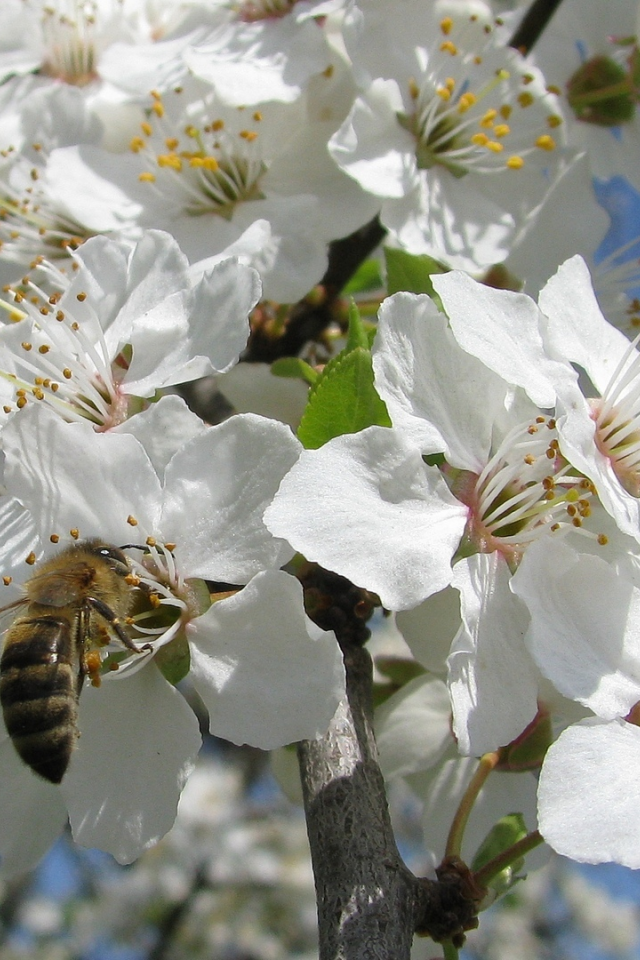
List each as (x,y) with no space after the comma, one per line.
(312,315)
(367,898)
(533,24)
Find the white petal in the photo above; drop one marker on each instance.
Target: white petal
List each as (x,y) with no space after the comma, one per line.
(585,626)
(194,332)
(431,385)
(33,813)
(233,472)
(413,727)
(502,329)
(372,147)
(270,59)
(162,429)
(267,675)
(577,332)
(75,174)
(431,627)
(378,515)
(69,477)
(492,680)
(138,743)
(589,793)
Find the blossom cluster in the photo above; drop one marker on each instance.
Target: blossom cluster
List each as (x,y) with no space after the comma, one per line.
(172,177)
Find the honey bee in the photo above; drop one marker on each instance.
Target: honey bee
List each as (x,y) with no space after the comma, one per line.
(74,600)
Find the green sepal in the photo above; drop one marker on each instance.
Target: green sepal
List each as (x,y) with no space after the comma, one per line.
(295,369)
(588,96)
(528,750)
(406,271)
(174,659)
(503,834)
(343,398)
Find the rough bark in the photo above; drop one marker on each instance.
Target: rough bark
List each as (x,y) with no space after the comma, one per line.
(368,901)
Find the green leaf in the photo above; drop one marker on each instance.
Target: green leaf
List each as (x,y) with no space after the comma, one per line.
(295,369)
(344,400)
(405,271)
(357,335)
(366,278)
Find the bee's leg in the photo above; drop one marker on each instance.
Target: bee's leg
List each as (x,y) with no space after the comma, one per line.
(116,623)
(82,631)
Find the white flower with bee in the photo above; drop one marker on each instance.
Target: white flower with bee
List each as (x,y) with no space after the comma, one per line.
(267,675)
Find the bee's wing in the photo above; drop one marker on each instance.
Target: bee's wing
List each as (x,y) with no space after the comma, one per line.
(60,588)
(5,619)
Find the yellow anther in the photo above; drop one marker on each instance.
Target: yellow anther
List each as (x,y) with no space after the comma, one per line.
(217,125)
(448,47)
(525,99)
(554,121)
(446,25)
(257,116)
(414,89)
(248,135)
(501,130)
(480,139)
(494,146)
(489,117)
(171,160)
(137,144)
(158,109)
(443,93)
(467,100)
(31,559)
(515,163)
(206,163)
(171,143)
(74,533)
(146,128)
(545,142)
(147,177)
(132,521)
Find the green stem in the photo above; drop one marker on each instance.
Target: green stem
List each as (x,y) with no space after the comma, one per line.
(449,951)
(454,841)
(491,869)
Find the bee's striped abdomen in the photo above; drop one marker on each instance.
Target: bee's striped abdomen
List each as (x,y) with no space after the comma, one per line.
(39,693)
